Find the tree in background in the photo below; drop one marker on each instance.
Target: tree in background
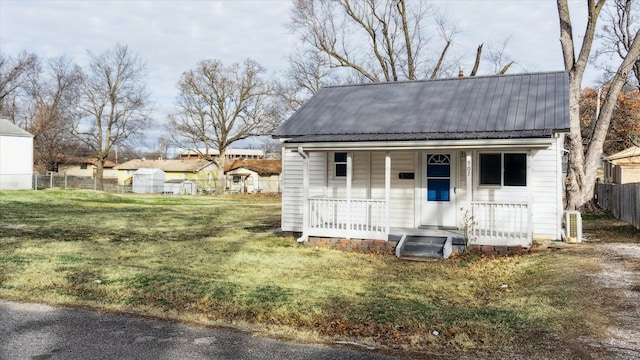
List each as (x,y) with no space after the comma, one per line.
(357,41)
(583,164)
(219,105)
(14,74)
(624,129)
(113,105)
(50,101)
(622,22)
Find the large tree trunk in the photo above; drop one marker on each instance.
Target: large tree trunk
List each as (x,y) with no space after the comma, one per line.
(583,169)
(100,174)
(221,181)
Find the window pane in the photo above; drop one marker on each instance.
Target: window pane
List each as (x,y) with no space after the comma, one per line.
(490,169)
(438,190)
(515,169)
(340,157)
(438,170)
(341,170)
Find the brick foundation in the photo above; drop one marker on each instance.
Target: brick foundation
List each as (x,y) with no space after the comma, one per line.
(356,245)
(389,247)
(496,250)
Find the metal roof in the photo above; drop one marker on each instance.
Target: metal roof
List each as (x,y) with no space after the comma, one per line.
(165,165)
(483,107)
(7,128)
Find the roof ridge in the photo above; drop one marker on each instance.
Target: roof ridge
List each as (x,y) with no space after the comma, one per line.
(443,79)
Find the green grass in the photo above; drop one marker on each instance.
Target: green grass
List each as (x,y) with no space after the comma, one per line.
(216,260)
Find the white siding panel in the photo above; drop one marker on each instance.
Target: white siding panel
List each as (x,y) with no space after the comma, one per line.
(317,173)
(292,206)
(16,162)
(402,207)
(546,211)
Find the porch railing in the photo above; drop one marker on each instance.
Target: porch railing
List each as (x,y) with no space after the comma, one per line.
(330,217)
(500,222)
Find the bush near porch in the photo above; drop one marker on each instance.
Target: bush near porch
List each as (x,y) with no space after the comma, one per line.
(216,261)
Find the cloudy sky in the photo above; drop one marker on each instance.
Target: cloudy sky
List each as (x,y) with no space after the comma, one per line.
(172,36)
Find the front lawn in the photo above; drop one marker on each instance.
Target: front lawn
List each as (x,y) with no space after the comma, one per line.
(216,260)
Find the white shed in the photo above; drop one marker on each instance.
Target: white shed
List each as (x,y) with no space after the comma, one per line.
(180,187)
(148,181)
(16,157)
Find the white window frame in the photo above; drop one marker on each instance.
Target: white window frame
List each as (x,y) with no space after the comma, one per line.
(502,154)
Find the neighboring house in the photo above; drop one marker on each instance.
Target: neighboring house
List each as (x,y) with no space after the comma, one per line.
(148,181)
(85,167)
(16,157)
(480,156)
(202,172)
(253,176)
(229,154)
(623,167)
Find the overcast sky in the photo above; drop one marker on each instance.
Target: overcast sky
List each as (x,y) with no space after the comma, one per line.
(172,36)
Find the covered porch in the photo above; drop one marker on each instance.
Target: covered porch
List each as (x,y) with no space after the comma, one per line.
(350,215)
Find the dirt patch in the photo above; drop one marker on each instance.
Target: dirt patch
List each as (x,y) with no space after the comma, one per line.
(617,251)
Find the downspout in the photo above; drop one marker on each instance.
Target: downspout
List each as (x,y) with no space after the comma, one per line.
(305,195)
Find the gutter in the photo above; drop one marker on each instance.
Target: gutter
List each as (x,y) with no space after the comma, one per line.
(305,179)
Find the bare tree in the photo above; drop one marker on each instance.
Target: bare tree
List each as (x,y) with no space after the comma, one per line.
(381,41)
(51,98)
(622,21)
(357,41)
(583,165)
(218,105)
(14,74)
(114,104)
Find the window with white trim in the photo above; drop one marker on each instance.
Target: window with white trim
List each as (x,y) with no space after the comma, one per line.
(340,164)
(503,169)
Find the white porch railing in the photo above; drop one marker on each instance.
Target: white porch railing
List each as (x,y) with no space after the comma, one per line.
(328,217)
(500,222)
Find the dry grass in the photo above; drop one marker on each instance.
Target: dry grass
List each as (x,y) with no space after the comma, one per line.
(215,260)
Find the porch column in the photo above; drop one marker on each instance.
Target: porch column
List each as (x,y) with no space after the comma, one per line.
(305,194)
(529,181)
(349,178)
(387,190)
(469,172)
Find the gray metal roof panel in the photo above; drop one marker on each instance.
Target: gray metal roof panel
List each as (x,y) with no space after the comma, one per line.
(504,103)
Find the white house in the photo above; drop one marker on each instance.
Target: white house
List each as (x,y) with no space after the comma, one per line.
(16,157)
(474,159)
(253,176)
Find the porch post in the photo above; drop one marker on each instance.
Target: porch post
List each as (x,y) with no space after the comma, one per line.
(469,172)
(469,182)
(529,180)
(305,194)
(387,190)
(349,177)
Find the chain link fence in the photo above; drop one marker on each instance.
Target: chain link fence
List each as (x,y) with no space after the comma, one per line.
(172,187)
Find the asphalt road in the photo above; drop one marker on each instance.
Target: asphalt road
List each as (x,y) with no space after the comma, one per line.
(41,332)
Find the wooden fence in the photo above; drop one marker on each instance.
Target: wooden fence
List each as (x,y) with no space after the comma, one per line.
(623,201)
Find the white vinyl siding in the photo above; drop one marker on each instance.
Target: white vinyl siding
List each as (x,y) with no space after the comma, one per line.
(402,205)
(547,189)
(16,162)
(292,185)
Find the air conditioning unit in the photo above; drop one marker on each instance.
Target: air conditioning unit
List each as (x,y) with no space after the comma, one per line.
(573,226)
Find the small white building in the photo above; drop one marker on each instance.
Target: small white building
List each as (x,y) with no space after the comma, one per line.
(16,157)
(253,176)
(478,156)
(148,181)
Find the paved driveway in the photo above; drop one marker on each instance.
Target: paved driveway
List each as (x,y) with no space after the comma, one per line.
(40,332)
